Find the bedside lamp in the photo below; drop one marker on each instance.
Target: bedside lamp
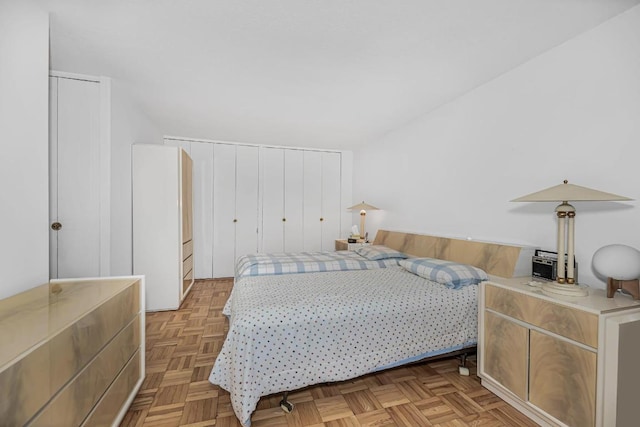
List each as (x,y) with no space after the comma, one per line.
(564,193)
(363,207)
(620,264)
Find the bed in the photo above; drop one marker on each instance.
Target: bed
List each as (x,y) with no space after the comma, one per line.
(365,258)
(294,330)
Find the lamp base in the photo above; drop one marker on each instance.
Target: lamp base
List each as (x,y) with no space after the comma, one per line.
(631,286)
(555,289)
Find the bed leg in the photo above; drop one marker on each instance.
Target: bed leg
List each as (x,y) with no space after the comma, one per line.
(285,404)
(462,369)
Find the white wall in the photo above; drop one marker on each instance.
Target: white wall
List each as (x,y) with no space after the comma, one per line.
(24,125)
(571,113)
(128,125)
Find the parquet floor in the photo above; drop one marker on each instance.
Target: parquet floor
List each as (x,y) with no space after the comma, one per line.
(182,346)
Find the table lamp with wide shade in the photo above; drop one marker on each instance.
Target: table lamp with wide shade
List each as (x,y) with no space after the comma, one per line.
(363,208)
(565,284)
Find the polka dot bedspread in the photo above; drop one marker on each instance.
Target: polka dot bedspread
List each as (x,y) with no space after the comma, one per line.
(287,332)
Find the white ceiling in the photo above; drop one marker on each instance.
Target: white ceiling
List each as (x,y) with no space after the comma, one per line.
(307,73)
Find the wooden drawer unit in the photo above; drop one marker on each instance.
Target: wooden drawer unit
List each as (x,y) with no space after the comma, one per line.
(70,341)
(557,361)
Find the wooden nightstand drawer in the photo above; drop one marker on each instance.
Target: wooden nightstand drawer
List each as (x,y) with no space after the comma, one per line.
(577,325)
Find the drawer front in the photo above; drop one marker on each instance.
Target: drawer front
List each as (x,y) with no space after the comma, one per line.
(187,249)
(186,282)
(28,384)
(76,399)
(563,380)
(187,266)
(570,323)
(505,353)
(113,400)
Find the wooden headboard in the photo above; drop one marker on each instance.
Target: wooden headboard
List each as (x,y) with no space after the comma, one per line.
(498,259)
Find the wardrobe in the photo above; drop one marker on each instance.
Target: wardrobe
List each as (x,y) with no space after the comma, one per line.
(163,223)
(258,198)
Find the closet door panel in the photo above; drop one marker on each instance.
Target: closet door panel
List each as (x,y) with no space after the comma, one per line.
(247,184)
(331,196)
(78,182)
(312,201)
(273,216)
(224,184)
(202,155)
(293,200)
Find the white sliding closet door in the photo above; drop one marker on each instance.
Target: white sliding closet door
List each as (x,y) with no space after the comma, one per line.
(247,184)
(75,178)
(331,196)
(224,200)
(312,201)
(273,216)
(293,200)
(202,156)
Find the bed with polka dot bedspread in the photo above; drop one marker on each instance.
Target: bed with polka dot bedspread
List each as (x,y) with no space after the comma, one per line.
(290,331)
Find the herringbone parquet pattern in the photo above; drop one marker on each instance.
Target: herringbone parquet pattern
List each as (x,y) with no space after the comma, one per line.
(182,346)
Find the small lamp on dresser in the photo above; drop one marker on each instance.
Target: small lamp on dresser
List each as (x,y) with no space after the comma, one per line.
(620,264)
(363,207)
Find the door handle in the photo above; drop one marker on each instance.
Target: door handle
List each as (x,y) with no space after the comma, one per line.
(56,226)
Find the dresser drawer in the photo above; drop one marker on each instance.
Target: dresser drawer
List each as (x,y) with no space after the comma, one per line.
(187,266)
(114,399)
(187,249)
(74,402)
(574,324)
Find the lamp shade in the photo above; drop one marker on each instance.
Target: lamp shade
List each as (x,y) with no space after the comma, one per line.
(619,262)
(363,206)
(569,192)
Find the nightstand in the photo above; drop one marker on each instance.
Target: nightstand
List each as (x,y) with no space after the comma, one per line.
(344,245)
(571,361)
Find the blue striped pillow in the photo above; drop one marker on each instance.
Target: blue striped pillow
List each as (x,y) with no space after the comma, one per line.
(448,273)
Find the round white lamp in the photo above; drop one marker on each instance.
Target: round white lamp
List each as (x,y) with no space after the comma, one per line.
(621,265)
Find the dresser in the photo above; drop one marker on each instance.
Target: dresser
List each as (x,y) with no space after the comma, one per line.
(72,352)
(569,362)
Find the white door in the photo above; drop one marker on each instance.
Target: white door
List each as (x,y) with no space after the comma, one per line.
(331,183)
(224,200)
(273,217)
(202,156)
(293,200)
(75,170)
(247,184)
(312,201)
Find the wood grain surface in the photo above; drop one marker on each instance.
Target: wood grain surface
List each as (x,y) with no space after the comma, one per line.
(494,258)
(574,324)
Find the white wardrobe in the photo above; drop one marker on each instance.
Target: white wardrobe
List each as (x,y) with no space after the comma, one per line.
(162,223)
(252,198)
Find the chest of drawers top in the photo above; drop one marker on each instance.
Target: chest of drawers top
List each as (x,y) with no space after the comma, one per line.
(32,317)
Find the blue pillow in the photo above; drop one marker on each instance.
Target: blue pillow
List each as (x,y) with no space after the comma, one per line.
(378,252)
(448,273)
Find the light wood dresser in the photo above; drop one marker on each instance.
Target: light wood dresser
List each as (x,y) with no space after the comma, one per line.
(571,362)
(72,352)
